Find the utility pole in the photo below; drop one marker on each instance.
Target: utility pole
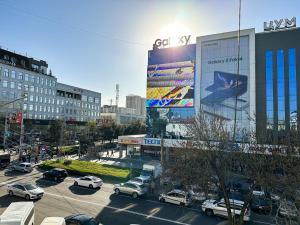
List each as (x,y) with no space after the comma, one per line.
(5,132)
(162,148)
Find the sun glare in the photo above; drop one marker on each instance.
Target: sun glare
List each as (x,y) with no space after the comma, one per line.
(174,31)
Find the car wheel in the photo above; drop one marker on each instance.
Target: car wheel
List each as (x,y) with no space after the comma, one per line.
(181,204)
(55,179)
(75,183)
(117,191)
(27,197)
(91,186)
(209,212)
(44,176)
(162,200)
(134,195)
(10,193)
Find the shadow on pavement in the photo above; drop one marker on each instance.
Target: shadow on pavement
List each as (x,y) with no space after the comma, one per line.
(43,183)
(5,200)
(13,173)
(78,190)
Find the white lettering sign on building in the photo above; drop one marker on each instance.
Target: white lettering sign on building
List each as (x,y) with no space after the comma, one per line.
(280,24)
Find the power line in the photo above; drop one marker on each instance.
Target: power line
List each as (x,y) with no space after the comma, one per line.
(71,27)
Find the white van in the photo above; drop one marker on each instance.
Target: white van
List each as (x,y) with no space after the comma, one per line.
(18,213)
(54,221)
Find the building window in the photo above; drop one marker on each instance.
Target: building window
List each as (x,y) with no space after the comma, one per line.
(36,108)
(4,84)
(293,88)
(31,98)
(12,85)
(24,106)
(20,77)
(280,89)
(19,86)
(38,80)
(97,100)
(26,77)
(42,81)
(31,88)
(26,87)
(269,90)
(5,73)
(13,74)
(32,79)
(36,98)
(30,107)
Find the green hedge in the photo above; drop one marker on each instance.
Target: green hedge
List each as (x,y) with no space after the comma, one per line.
(105,172)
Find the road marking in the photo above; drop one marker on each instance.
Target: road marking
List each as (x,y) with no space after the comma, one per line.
(257,221)
(118,209)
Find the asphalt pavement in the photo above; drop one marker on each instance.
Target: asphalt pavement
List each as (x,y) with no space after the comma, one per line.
(64,199)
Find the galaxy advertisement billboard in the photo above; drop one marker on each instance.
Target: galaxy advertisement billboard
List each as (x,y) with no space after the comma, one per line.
(223,89)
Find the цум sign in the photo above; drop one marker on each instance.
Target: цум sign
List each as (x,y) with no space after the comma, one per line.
(162,43)
(280,24)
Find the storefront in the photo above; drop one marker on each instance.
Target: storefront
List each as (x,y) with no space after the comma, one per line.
(131,143)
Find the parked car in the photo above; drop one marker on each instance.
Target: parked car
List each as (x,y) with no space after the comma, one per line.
(261,205)
(131,188)
(23,167)
(81,219)
(88,181)
(288,209)
(218,208)
(177,197)
(142,180)
(27,191)
(55,174)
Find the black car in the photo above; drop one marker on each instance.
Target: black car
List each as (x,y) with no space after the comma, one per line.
(261,205)
(80,219)
(55,174)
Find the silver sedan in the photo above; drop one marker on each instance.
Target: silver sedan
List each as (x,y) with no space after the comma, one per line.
(27,191)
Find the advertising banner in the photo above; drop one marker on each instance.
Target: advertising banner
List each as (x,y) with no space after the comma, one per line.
(170,84)
(222,89)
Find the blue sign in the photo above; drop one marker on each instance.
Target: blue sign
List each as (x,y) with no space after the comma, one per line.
(152,141)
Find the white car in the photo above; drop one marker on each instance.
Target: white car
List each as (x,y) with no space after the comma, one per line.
(218,208)
(177,197)
(88,181)
(27,191)
(23,167)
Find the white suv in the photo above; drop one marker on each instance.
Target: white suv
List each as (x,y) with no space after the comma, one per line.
(177,197)
(218,208)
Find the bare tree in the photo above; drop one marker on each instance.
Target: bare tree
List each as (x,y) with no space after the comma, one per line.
(214,158)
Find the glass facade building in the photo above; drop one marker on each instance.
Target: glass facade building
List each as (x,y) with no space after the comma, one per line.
(277,82)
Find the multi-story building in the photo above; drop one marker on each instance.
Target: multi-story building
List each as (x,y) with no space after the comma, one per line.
(136,102)
(262,96)
(119,115)
(46,99)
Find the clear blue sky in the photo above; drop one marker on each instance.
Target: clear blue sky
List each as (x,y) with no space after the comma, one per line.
(95,44)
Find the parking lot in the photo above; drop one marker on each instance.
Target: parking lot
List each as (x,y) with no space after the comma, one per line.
(63,199)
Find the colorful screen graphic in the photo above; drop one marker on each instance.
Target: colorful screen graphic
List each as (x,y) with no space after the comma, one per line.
(170,84)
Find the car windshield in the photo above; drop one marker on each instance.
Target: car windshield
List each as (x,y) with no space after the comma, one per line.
(141,186)
(30,187)
(94,178)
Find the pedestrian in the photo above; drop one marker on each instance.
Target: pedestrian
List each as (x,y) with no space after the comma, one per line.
(112,152)
(36,159)
(107,153)
(29,157)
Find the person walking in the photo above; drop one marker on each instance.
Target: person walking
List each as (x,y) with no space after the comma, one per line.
(36,159)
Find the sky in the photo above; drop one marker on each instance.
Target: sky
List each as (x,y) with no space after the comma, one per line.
(96,44)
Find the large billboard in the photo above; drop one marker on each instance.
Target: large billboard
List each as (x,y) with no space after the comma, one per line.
(171,77)
(224,89)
